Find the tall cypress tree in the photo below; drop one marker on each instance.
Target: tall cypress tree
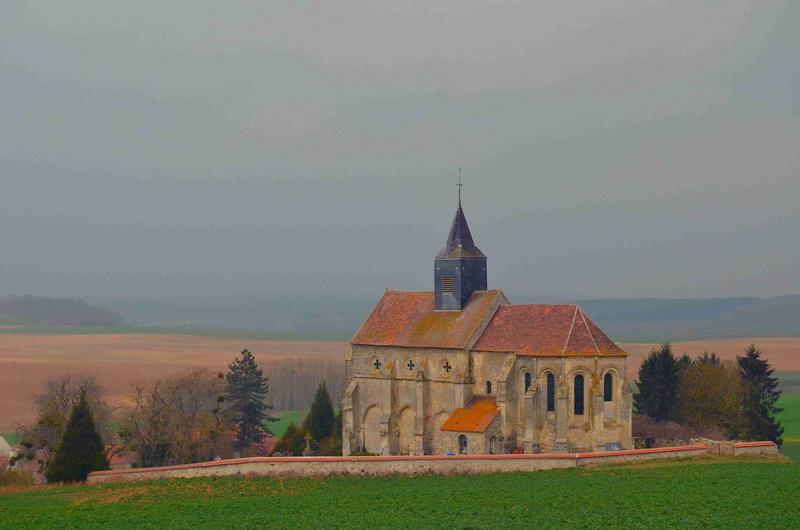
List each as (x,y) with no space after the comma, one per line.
(81,450)
(321,418)
(247,393)
(761,394)
(659,377)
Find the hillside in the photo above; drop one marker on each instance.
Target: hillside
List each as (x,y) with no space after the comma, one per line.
(35,310)
(692,319)
(339,315)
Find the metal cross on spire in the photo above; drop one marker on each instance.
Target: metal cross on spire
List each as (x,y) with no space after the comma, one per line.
(459,186)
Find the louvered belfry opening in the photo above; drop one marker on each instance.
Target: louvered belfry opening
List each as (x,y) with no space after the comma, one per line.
(447,284)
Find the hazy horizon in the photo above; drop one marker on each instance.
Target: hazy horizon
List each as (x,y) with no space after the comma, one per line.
(617,149)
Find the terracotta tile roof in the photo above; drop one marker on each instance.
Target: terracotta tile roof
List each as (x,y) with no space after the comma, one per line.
(475,417)
(539,329)
(408,319)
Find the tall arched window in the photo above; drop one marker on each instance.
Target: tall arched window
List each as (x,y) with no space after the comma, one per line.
(462,444)
(608,387)
(527,381)
(578,395)
(551,392)
(488,387)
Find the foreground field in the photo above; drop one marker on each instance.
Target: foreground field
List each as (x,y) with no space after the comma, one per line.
(685,494)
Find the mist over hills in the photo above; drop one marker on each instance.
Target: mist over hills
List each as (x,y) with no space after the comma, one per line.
(339,315)
(38,310)
(637,319)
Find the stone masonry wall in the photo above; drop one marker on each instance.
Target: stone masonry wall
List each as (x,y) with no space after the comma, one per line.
(411,465)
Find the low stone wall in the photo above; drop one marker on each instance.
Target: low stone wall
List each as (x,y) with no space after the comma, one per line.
(755,449)
(284,467)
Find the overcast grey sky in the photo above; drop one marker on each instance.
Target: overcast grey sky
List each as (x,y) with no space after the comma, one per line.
(614,148)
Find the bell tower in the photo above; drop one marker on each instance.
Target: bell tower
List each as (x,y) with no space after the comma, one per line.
(460,267)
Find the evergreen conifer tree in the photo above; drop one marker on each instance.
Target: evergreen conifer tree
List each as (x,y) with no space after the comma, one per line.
(659,377)
(247,392)
(321,418)
(81,450)
(332,445)
(761,394)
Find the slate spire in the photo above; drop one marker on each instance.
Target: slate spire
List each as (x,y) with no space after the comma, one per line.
(460,267)
(459,241)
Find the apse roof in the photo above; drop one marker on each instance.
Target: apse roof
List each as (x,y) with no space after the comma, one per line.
(545,330)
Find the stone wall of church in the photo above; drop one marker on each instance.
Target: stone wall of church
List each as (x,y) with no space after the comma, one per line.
(397,398)
(488,442)
(525,410)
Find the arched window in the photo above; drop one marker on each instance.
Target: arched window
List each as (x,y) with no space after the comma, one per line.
(488,387)
(492,444)
(551,392)
(578,395)
(608,387)
(462,444)
(527,381)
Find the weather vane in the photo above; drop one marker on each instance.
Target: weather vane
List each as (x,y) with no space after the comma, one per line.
(459,185)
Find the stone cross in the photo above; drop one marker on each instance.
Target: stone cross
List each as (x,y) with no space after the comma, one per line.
(307,451)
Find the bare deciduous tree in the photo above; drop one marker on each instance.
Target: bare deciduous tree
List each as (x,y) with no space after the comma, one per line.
(178,419)
(55,403)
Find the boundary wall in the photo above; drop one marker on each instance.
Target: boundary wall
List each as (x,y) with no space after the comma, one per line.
(332,466)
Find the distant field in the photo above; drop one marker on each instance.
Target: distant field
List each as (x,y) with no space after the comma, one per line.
(119,361)
(294,366)
(782,352)
(720,493)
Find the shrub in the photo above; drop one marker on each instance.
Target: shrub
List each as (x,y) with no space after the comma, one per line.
(291,443)
(10,477)
(666,433)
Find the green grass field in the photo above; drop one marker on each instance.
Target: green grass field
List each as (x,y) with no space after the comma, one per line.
(277,428)
(683,494)
(12,438)
(790,417)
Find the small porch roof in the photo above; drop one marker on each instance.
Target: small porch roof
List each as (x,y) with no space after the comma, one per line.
(476,416)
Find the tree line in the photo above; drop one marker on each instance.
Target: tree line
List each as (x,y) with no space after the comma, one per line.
(734,399)
(295,378)
(188,417)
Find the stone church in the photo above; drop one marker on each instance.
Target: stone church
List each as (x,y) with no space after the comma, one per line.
(461,370)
